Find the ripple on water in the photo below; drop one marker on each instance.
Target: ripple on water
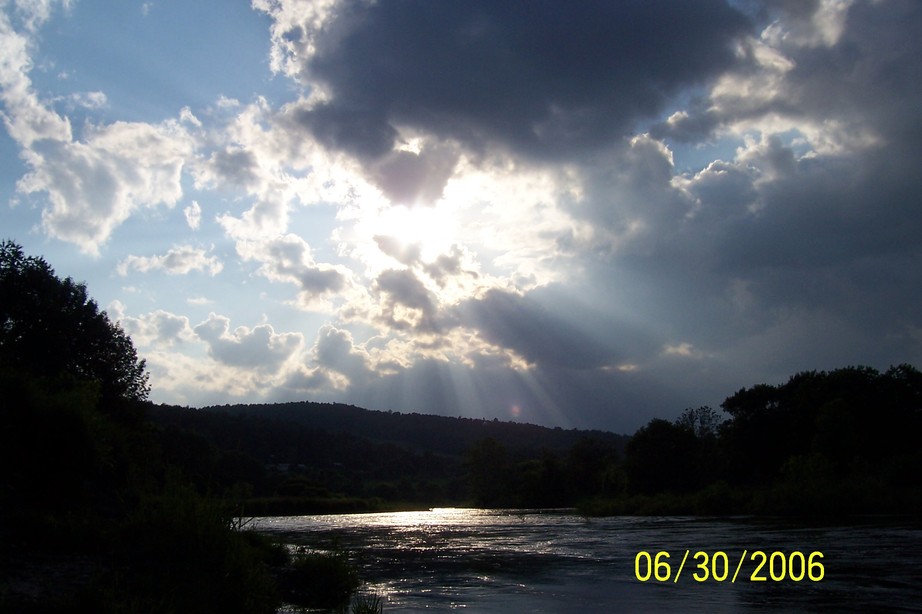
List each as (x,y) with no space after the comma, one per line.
(555,561)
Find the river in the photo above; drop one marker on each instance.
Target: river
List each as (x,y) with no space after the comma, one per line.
(556,561)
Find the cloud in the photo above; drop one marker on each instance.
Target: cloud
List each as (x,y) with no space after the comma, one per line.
(177,261)
(258,348)
(535,333)
(193,214)
(303,381)
(265,153)
(89,100)
(158,328)
(837,71)
(92,184)
(362,133)
(232,165)
(26,119)
(683,349)
(414,177)
(336,351)
(406,303)
(627,200)
(241,364)
(520,76)
(289,259)
(595,212)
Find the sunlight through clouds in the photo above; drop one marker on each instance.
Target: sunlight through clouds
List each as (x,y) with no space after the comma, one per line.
(578,215)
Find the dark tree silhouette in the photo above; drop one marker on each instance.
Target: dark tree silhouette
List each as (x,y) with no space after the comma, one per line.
(704,421)
(488,472)
(591,464)
(850,416)
(49,327)
(661,457)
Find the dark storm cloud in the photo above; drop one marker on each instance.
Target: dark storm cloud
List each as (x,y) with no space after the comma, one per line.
(770,262)
(360,131)
(872,75)
(411,178)
(766,239)
(533,331)
(835,232)
(870,79)
(757,265)
(545,78)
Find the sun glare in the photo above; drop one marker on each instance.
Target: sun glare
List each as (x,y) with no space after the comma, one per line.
(432,230)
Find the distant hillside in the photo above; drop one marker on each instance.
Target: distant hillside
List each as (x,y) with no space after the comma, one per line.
(304,457)
(421,432)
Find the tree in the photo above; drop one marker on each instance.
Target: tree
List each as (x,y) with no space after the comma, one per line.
(50,327)
(488,472)
(662,457)
(850,416)
(591,462)
(704,422)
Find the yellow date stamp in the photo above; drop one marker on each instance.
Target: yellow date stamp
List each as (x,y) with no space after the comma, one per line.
(720,566)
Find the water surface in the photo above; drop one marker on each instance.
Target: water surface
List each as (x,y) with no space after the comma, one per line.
(556,561)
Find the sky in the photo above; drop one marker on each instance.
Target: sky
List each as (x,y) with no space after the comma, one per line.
(583,215)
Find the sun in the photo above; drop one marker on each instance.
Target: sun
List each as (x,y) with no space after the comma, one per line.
(431,231)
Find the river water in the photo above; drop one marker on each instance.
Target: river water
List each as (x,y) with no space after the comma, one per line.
(556,561)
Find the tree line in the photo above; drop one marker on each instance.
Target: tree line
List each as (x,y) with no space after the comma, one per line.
(832,443)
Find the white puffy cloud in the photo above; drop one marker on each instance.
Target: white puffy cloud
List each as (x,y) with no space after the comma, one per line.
(89,100)
(94,184)
(260,347)
(26,118)
(158,328)
(336,351)
(177,261)
(289,259)
(209,363)
(295,23)
(193,214)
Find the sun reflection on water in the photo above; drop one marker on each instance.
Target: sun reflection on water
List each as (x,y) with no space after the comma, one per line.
(555,561)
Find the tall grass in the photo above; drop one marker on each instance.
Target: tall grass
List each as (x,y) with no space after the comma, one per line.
(367,604)
(178,553)
(324,580)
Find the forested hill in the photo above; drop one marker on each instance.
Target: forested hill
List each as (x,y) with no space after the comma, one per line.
(419,432)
